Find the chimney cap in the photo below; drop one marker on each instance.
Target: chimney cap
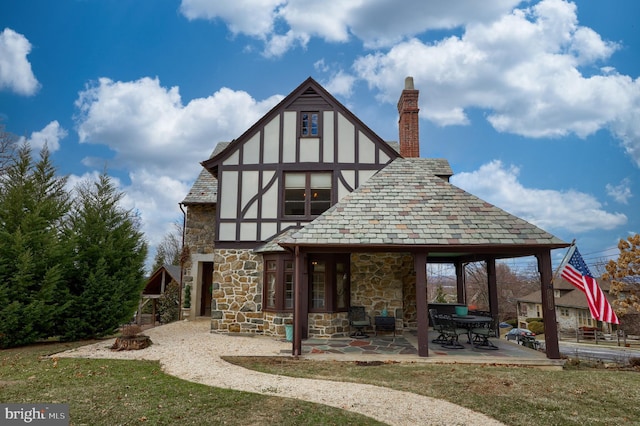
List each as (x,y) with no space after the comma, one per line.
(408,83)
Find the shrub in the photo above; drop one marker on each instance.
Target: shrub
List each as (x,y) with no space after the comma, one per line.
(169,308)
(536,327)
(512,322)
(187,296)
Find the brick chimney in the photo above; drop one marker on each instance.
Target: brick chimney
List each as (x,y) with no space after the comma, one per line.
(408,120)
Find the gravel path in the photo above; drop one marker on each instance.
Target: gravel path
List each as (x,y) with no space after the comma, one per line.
(184,348)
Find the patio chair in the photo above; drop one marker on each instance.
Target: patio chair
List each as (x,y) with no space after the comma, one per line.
(480,336)
(450,331)
(438,327)
(359,320)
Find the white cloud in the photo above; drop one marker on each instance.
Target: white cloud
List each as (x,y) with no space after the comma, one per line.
(621,192)
(15,69)
(549,209)
(283,24)
(341,83)
(524,70)
(50,135)
(145,123)
(159,140)
(523,66)
(250,17)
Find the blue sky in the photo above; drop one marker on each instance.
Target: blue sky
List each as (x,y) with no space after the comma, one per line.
(536,104)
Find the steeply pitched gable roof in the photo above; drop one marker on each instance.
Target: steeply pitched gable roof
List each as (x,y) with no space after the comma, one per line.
(154,283)
(205,188)
(406,204)
(309,92)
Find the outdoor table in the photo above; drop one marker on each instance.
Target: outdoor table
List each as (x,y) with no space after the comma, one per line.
(470,322)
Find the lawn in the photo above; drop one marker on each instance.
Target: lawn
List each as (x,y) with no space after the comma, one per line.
(577,395)
(118,392)
(110,392)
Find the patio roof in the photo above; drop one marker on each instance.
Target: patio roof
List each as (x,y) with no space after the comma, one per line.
(405,206)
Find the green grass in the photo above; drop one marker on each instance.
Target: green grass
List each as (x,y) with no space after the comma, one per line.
(119,392)
(514,395)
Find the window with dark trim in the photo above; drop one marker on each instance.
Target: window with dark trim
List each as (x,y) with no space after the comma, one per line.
(329,283)
(277,293)
(307,194)
(309,126)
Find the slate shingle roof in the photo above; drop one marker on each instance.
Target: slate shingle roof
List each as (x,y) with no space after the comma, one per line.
(406,204)
(205,188)
(273,245)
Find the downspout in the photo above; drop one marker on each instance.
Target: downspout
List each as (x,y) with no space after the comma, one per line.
(184,225)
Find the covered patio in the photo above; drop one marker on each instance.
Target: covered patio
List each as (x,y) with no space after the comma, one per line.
(404,349)
(409,207)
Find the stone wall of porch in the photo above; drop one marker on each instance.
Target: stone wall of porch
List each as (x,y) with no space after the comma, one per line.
(382,281)
(236,302)
(379,281)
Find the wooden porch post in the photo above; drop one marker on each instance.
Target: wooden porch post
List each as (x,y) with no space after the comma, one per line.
(420,265)
(460,282)
(493,286)
(548,305)
(297,305)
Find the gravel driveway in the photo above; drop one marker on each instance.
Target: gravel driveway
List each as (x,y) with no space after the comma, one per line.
(185,347)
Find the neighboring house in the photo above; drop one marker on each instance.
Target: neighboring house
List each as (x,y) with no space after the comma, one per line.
(309,212)
(155,287)
(572,310)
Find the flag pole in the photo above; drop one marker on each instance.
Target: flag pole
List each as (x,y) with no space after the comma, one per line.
(565,259)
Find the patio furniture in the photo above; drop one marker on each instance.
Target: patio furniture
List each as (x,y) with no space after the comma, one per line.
(438,326)
(480,336)
(450,332)
(469,322)
(359,320)
(384,323)
(529,342)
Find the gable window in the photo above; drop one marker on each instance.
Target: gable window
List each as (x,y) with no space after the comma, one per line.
(278,283)
(309,124)
(307,194)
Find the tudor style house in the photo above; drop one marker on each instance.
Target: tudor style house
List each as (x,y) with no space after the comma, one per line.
(309,212)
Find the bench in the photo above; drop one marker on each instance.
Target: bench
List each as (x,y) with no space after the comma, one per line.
(382,323)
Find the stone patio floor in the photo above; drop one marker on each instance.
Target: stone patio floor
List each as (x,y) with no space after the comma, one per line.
(403,348)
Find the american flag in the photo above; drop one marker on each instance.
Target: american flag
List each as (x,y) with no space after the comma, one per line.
(577,273)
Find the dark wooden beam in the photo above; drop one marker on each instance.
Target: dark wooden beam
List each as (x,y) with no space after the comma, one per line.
(420,265)
(548,305)
(493,286)
(460,282)
(297,304)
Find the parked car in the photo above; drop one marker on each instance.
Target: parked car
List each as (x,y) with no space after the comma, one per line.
(517,334)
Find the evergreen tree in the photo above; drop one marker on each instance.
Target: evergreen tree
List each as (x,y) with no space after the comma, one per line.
(108,269)
(33,204)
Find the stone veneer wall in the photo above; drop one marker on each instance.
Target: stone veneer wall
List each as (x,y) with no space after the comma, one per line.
(236,304)
(199,237)
(381,281)
(378,281)
(326,325)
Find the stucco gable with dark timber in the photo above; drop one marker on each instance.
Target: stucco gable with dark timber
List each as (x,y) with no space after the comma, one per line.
(251,169)
(308,96)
